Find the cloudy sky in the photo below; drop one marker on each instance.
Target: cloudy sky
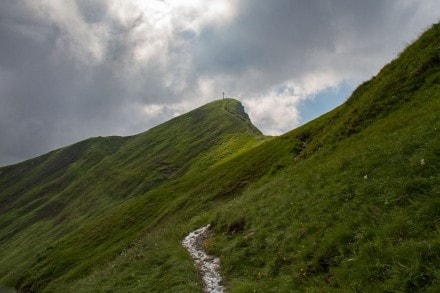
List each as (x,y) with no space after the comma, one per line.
(72,69)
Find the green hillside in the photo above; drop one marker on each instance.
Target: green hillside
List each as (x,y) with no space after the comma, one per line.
(48,198)
(348,202)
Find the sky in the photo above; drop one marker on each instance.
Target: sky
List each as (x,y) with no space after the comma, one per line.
(74,69)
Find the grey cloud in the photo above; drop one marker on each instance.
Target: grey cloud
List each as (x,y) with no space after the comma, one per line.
(92,11)
(48,98)
(288,39)
(51,96)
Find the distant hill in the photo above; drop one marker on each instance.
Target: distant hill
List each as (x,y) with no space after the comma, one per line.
(348,202)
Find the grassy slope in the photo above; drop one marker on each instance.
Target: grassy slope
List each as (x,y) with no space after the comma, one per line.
(347,202)
(360,207)
(46,199)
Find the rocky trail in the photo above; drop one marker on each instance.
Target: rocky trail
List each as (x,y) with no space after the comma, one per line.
(208,265)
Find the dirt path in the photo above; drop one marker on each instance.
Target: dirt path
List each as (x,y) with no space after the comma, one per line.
(208,265)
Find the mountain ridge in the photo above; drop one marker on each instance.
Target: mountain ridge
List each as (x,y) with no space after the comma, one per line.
(111,169)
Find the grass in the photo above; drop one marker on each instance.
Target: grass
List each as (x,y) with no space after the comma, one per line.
(322,223)
(348,202)
(55,207)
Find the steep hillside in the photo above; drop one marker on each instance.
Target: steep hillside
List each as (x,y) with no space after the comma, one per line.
(45,199)
(358,207)
(348,202)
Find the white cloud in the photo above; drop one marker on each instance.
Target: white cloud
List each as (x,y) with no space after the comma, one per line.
(273,114)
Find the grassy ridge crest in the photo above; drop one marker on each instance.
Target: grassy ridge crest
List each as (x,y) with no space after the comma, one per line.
(64,196)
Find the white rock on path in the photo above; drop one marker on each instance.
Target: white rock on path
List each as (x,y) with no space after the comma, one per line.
(207,264)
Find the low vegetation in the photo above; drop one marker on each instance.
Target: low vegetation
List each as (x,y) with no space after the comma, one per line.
(348,202)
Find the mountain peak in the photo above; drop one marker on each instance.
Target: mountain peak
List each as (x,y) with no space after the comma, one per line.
(225,116)
(227,112)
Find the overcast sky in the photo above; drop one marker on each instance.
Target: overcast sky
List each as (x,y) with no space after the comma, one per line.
(70,69)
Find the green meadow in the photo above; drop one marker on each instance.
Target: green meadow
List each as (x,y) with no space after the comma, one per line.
(349,202)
